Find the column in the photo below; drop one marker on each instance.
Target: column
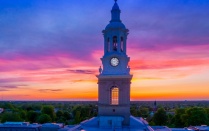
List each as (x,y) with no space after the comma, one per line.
(105,44)
(124,44)
(111,44)
(118,43)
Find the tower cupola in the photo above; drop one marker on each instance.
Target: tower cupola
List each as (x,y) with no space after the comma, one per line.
(115,36)
(115,22)
(115,12)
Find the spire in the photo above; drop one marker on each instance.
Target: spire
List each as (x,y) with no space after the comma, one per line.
(115,13)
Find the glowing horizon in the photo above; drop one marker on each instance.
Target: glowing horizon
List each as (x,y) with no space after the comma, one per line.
(51,50)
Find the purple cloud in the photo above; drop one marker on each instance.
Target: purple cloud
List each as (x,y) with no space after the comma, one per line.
(82,71)
(53,90)
(8,87)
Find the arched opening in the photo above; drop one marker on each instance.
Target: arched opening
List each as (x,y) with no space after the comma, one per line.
(115,43)
(114,95)
(121,44)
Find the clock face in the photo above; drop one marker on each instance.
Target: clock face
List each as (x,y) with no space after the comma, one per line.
(114,61)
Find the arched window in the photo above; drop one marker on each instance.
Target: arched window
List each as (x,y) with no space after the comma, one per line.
(121,43)
(114,95)
(115,43)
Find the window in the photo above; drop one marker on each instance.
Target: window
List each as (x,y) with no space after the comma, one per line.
(115,43)
(114,95)
(110,122)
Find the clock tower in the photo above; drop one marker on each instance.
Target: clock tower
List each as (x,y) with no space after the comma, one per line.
(114,79)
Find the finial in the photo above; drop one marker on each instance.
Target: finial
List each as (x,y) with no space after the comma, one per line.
(115,1)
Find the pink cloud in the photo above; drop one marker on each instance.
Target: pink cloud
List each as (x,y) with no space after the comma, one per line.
(176,57)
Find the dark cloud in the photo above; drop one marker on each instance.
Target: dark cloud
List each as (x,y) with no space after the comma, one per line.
(13,86)
(80,80)
(3,90)
(8,87)
(8,80)
(82,71)
(52,90)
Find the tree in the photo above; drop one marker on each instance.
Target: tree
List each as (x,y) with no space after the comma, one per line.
(170,121)
(178,117)
(32,116)
(160,117)
(44,118)
(66,115)
(144,111)
(85,112)
(195,116)
(59,114)
(8,105)
(77,117)
(22,114)
(133,110)
(207,111)
(8,116)
(49,110)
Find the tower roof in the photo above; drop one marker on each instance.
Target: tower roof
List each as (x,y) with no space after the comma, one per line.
(115,6)
(115,25)
(115,21)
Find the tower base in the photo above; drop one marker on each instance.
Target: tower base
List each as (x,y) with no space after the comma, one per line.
(102,123)
(116,111)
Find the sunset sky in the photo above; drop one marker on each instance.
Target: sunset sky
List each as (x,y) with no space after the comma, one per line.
(51,49)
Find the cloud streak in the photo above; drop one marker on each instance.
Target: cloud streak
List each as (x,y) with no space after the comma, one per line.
(9,87)
(82,71)
(50,90)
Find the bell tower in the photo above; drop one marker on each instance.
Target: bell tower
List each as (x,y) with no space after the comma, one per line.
(114,79)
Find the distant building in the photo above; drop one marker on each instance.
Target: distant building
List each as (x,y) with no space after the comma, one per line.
(52,126)
(19,126)
(26,126)
(154,109)
(201,128)
(1,110)
(161,128)
(155,106)
(136,124)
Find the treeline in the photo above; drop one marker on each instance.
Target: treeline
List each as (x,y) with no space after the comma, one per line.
(178,117)
(45,113)
(75,113)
